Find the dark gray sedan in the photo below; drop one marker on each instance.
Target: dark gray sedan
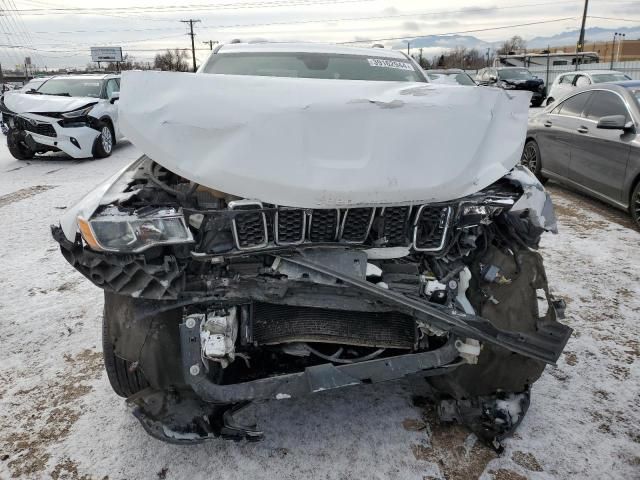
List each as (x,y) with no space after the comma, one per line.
(590,140)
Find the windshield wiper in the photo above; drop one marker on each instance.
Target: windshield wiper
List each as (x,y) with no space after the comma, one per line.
(63,94)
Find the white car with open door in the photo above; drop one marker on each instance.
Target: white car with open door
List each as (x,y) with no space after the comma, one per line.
(75,114)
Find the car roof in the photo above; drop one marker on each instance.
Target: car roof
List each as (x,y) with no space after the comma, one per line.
(446,71)
(591,72)
(96,76)
(627,83)
(509,68)
(302,47)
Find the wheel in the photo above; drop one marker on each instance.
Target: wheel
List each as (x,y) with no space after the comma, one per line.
(517,308)
(124,379)
(531,160)
(17,147)
(537,103)
(634,205)
(550,100)
(103,145)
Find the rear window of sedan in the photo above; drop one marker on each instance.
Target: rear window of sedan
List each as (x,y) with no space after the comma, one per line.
(609,77)
(313,65)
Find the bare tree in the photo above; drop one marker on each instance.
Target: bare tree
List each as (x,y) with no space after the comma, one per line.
(460,57)
(172,60)
(513,45)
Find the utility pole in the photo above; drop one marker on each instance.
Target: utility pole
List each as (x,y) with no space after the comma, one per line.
(488,55)
(210,43)
(408,49)
(580,46)
(613,49)
(421,58)
(620,43)
(191,21)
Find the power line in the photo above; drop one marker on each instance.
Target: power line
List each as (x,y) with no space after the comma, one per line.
(616,19)
(184,8)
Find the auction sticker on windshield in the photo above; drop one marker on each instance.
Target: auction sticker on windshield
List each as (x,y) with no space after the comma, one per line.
(379,62)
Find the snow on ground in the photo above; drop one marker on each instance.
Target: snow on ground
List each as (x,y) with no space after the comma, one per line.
(59,419)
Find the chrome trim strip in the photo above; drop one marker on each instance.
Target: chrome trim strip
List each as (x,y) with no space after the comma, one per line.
(345,214)
(234,229)
(276,228)
(444,233)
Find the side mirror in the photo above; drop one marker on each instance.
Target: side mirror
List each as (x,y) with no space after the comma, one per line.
(614,122)
(113,97)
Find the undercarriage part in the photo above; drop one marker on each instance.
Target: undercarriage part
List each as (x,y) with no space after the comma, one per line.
(314,378)
(492,418)
(283,323)
(179,417)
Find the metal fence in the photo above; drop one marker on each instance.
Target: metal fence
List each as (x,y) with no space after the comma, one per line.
(630,68)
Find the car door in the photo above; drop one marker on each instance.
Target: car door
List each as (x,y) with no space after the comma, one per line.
(111,109)
(599,159)
(562,87)
(557,131)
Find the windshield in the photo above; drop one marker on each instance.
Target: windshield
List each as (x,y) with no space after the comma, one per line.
(451,78)
(515,74)
(313,65)
(609,77)
(72,87)
(636,93)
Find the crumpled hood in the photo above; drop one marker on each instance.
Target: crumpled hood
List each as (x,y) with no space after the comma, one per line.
(313,143)
(33,103)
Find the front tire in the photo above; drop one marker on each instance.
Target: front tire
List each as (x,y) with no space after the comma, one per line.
(103,145)
(124,378)
(634,205)
(16,146)
(531,159)
(550,100)
(537,103)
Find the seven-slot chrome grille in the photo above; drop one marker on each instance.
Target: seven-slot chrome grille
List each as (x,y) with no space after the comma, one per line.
(423,227)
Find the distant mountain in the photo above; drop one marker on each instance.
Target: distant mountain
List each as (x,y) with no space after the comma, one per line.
(595,34)
(444,42)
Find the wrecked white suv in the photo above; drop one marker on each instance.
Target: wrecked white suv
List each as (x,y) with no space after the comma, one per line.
(312,217)
(75,114)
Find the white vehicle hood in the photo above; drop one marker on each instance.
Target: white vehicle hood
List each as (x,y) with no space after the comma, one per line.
(33,103)
(313,143)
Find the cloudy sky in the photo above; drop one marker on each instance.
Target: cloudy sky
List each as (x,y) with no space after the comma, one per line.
(58,33)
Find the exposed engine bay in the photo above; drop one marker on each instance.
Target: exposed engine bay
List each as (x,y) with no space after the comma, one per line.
(213,301)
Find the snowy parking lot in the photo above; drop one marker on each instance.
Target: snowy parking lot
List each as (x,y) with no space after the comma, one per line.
(60,419)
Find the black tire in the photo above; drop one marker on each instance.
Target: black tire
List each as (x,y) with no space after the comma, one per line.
(124,379)
(634,205)
(550,100)
(531,159)
(104,143)
(537,103)
(16,146)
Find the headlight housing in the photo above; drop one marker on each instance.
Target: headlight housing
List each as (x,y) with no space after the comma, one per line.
(134,233)
(81,112)
(508,86)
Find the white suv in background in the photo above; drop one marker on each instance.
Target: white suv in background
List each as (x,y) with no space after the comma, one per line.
(566,82)
(75,114)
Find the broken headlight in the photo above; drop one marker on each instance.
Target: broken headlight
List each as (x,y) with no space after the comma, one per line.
(133,233)
(81,112)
